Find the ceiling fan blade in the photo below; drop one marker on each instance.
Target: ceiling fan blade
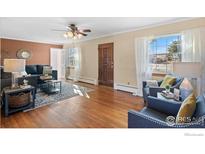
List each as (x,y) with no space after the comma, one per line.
(59,30)
(69,28)
(82,33)
(72,27)
(86,30)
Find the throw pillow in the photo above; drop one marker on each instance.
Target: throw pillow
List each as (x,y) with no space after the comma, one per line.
(187,109)
(152,83)
(47,70)
(23,73)
(168,80)
(185,89)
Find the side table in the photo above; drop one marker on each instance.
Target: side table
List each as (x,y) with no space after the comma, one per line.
(7,92)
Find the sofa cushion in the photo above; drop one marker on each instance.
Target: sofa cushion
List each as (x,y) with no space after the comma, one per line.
(187,109)
(200,107)
(184,93)
(31,69)
(169,107)
(47,70)
(168,80)
(40,68)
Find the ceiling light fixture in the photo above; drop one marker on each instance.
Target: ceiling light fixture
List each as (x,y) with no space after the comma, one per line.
(74,32)
(72,35)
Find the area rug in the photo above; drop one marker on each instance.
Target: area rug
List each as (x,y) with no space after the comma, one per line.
(68,90)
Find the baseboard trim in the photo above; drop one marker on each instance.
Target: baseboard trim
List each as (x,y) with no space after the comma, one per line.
(124,87)
(85,79)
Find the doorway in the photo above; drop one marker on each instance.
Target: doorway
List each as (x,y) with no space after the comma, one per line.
(105,64)
(57,61)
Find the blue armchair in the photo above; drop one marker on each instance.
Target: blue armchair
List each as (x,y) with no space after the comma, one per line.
(152,91)
(156,113)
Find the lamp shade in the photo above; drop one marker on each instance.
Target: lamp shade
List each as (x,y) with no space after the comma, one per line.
(14,65)
(187,69)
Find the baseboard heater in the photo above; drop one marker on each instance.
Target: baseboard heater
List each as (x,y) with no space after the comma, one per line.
(85,79)
(127,88)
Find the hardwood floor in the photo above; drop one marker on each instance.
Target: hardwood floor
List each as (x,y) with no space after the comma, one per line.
(105,108)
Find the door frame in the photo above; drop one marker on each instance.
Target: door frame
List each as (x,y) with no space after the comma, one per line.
(110,43)
(57,60)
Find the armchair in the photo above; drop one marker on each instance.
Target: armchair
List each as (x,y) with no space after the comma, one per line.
(156,113)
(152,91)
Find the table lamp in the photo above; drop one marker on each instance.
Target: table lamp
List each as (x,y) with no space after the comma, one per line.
(14,66)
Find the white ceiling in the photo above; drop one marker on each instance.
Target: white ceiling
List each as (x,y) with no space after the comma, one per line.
(39,29)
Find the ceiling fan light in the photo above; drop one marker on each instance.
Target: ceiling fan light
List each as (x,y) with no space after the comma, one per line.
(65,35)
(75,37)
(70,34)
(80,36)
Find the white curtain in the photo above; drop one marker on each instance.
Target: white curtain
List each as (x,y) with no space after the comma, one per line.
(77,65)
(143,69)
(74,61)
(193,50)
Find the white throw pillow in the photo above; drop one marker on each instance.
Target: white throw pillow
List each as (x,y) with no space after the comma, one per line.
(185,89)
(152,83)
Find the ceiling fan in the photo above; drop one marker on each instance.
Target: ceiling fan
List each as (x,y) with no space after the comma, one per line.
(72,31)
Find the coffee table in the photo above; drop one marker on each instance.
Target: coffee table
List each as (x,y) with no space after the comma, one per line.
(51,86)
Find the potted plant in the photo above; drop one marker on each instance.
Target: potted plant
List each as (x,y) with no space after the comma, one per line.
(167,87)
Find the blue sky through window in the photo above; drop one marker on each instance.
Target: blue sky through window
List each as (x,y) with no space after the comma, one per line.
(160,45)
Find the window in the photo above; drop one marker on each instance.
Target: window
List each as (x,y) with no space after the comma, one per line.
(71,57)
(163,51)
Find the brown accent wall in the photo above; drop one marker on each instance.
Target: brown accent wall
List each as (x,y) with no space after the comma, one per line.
(40,51)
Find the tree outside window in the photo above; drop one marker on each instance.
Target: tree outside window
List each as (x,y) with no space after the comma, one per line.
(163,51)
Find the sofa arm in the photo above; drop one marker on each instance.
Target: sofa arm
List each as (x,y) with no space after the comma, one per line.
(55,74)
(144,83)
(139,120)
(165,106)
(154,90)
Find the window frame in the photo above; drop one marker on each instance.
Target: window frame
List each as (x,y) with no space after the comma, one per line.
(161,73)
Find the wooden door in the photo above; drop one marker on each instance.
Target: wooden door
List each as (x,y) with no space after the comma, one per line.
(106,64)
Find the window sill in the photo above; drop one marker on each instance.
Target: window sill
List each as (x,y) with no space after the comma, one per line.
(159,74)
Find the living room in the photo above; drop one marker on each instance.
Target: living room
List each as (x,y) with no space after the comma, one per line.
(78,71)
(102,76)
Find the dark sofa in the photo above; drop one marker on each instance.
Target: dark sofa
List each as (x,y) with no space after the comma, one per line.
(35,72)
